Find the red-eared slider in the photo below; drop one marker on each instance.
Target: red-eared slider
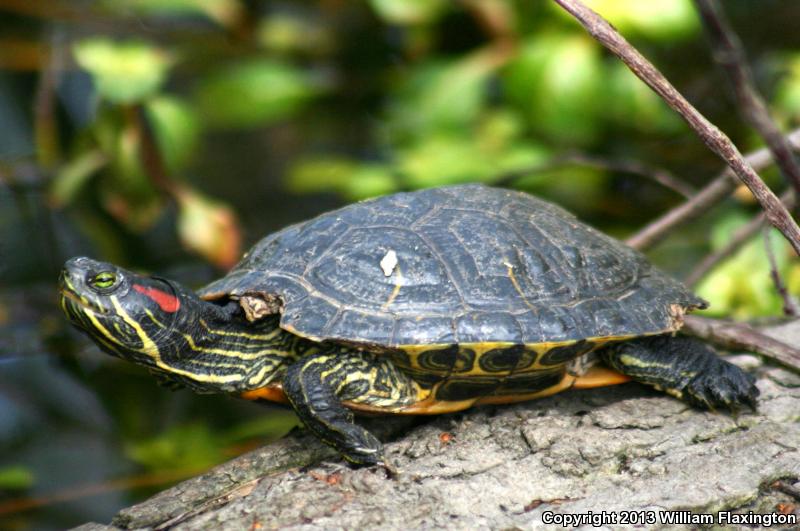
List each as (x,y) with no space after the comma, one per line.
(422,302)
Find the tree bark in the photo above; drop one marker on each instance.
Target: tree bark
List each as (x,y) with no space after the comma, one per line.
(623,448)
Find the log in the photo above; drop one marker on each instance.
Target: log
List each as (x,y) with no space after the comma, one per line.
(623,448)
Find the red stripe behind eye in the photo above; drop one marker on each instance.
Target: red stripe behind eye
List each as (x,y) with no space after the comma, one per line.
(168,303)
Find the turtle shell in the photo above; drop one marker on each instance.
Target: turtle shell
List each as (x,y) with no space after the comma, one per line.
(464,264)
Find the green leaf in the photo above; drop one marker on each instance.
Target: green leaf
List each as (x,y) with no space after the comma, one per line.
(123,72)
(74,175)
(253,93)
(654,19)
(633,104)
(270,427)
(208,227)
(224,12)
(443,160)
(16,478)
(409,12)
(351,179)
(188,446)
(556,81)
(195,446)
(285,33)
(788,90)
(741,286)
(370,180)
(177,130)
(441,96)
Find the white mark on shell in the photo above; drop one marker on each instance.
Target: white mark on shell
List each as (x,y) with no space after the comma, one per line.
(389,262)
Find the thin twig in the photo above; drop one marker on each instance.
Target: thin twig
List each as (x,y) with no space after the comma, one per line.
(717,190)
(496,19)
(633,167)
(741,236)
(715,139)
(728,53)
(45,121)
(740,336)
(151,156)
(789,307)
(786,488)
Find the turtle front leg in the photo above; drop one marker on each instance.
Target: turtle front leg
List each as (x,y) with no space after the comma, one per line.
(317,384)
(684,367)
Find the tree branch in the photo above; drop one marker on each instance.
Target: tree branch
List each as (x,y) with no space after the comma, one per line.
(713,193)
(741,236)
(633,167)
(740,336)
(728,54)
(715,139)
(789,307)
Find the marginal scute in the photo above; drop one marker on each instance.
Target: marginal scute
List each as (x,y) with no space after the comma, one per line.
(445,360)
(562,354)
(501,360)
(474,265)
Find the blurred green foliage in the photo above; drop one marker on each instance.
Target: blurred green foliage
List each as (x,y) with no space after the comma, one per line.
(481,90)
(169,132)
(525,86)
(123,72)
(529,86)
(741,287)
(195,446)
(16,478)
(253,93)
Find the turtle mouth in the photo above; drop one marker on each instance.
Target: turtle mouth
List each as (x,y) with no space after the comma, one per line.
(70,296)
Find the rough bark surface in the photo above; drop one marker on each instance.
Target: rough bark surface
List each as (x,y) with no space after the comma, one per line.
(612,449)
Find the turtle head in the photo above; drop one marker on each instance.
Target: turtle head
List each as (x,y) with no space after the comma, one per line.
(127,314)
(158,323)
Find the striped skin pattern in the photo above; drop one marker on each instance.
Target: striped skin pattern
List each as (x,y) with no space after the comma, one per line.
(198,346)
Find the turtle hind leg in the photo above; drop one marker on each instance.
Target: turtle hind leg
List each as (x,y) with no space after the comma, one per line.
(317,384)
(684,367)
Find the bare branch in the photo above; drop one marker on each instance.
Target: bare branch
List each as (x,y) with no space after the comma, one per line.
(740,237)
(715,139)
(739,336)
(728,53)
(658,175)
(786,488)
(789,307)
(713,193)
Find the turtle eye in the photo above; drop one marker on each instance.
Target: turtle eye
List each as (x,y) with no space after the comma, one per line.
(103,280)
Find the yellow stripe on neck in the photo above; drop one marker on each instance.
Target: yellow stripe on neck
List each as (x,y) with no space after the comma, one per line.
(151,349)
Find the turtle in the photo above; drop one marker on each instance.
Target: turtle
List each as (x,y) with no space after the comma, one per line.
(421,302)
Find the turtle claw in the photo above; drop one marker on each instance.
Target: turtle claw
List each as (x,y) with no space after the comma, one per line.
(724,386)
(392,472)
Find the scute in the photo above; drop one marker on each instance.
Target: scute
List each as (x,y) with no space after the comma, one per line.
(474,265)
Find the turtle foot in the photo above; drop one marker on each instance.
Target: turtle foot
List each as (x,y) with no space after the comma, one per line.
(723,385)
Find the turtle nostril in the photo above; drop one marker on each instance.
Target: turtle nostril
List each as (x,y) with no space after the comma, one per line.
(76,266)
